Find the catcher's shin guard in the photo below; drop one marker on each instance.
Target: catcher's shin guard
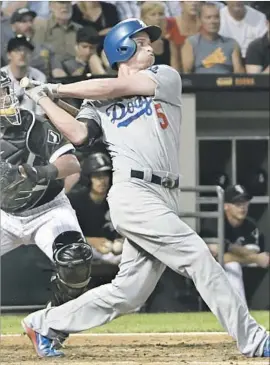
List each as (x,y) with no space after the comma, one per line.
(72,259)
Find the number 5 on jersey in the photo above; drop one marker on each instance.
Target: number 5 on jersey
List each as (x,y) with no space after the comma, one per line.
(161,116)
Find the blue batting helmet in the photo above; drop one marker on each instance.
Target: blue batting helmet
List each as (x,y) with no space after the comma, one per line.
(119,45)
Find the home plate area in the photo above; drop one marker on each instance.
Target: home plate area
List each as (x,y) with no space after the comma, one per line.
(133,349)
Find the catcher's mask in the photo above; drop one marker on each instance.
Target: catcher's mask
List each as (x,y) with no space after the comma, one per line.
(9,103)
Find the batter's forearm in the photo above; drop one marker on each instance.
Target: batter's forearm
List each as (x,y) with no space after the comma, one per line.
(67,165)
(103,89)
(88,89)
(71,128)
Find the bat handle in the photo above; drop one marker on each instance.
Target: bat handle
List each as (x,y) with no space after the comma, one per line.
(28,83)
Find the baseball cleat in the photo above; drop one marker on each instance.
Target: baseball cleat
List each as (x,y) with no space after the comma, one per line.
(42,345)
(266,349)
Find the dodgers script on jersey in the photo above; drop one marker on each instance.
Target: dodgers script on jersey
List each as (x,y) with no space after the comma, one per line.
(142,132)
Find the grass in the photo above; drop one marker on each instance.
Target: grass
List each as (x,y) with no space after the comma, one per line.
(150,323)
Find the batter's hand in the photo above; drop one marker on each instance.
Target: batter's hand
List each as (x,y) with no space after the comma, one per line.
(36,93)
(51,90)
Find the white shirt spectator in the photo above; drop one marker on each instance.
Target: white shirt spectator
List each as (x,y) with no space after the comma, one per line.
(244,31)
(26,102)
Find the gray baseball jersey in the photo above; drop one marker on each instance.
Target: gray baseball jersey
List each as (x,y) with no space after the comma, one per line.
(142,131)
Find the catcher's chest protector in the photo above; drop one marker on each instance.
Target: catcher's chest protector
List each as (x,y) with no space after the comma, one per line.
(14,140)
(26,143)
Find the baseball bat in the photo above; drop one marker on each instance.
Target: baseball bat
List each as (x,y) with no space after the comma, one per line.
(26,82)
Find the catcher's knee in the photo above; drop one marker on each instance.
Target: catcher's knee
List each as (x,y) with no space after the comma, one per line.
(72,258)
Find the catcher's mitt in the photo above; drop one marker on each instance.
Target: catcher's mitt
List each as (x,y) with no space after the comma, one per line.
(15,190)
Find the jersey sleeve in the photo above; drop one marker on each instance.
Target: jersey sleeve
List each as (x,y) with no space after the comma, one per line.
(169,84)
(91,118)
(88,111)
(47,142)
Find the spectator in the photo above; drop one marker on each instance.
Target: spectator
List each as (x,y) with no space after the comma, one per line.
(242,23)
(41,8)
(182,26)
(6,34)
(98,14)
(153,13)
(258,53)
(43,58)
(86,60)
(59,30)
(207,51)
(127,9)
(20,50)
(241,237)
(90,204)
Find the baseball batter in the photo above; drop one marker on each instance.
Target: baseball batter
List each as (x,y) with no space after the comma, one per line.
(34,209)
(139,114)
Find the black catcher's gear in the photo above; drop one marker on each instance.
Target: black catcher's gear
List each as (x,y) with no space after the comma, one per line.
(14,188)
(9,103)
(72,257)
(35,142)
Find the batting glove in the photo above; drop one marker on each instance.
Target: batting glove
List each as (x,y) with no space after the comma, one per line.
(51,90)
(36,93)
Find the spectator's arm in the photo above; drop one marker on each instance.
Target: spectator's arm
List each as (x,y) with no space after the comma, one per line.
(175,57)
(254,69)
(254,61)
(237,60)
(246,256)
(187,57)
(95,65)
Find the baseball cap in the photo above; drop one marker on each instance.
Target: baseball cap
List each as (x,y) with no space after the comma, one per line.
(236,194)
(18,14)
(88,34)
(18,41)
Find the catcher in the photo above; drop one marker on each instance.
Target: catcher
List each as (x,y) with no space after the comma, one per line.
(35,158)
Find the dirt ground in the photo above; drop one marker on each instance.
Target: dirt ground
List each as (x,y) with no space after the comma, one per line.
(162,349)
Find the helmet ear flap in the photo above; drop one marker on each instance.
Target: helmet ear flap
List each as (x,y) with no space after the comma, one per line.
(126,50)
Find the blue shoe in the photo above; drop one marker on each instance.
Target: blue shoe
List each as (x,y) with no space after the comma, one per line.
(266,349)
(42,345)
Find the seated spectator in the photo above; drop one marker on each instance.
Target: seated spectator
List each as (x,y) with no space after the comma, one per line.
(258,53)
(127,9)
(86,60)
(207,51)
(59,31)
(181,27)
(19,50)
(242,23)
(241,237)
(89,201)
(99,14)
(41,8)
(153,13)
(43,58)
(6,34)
